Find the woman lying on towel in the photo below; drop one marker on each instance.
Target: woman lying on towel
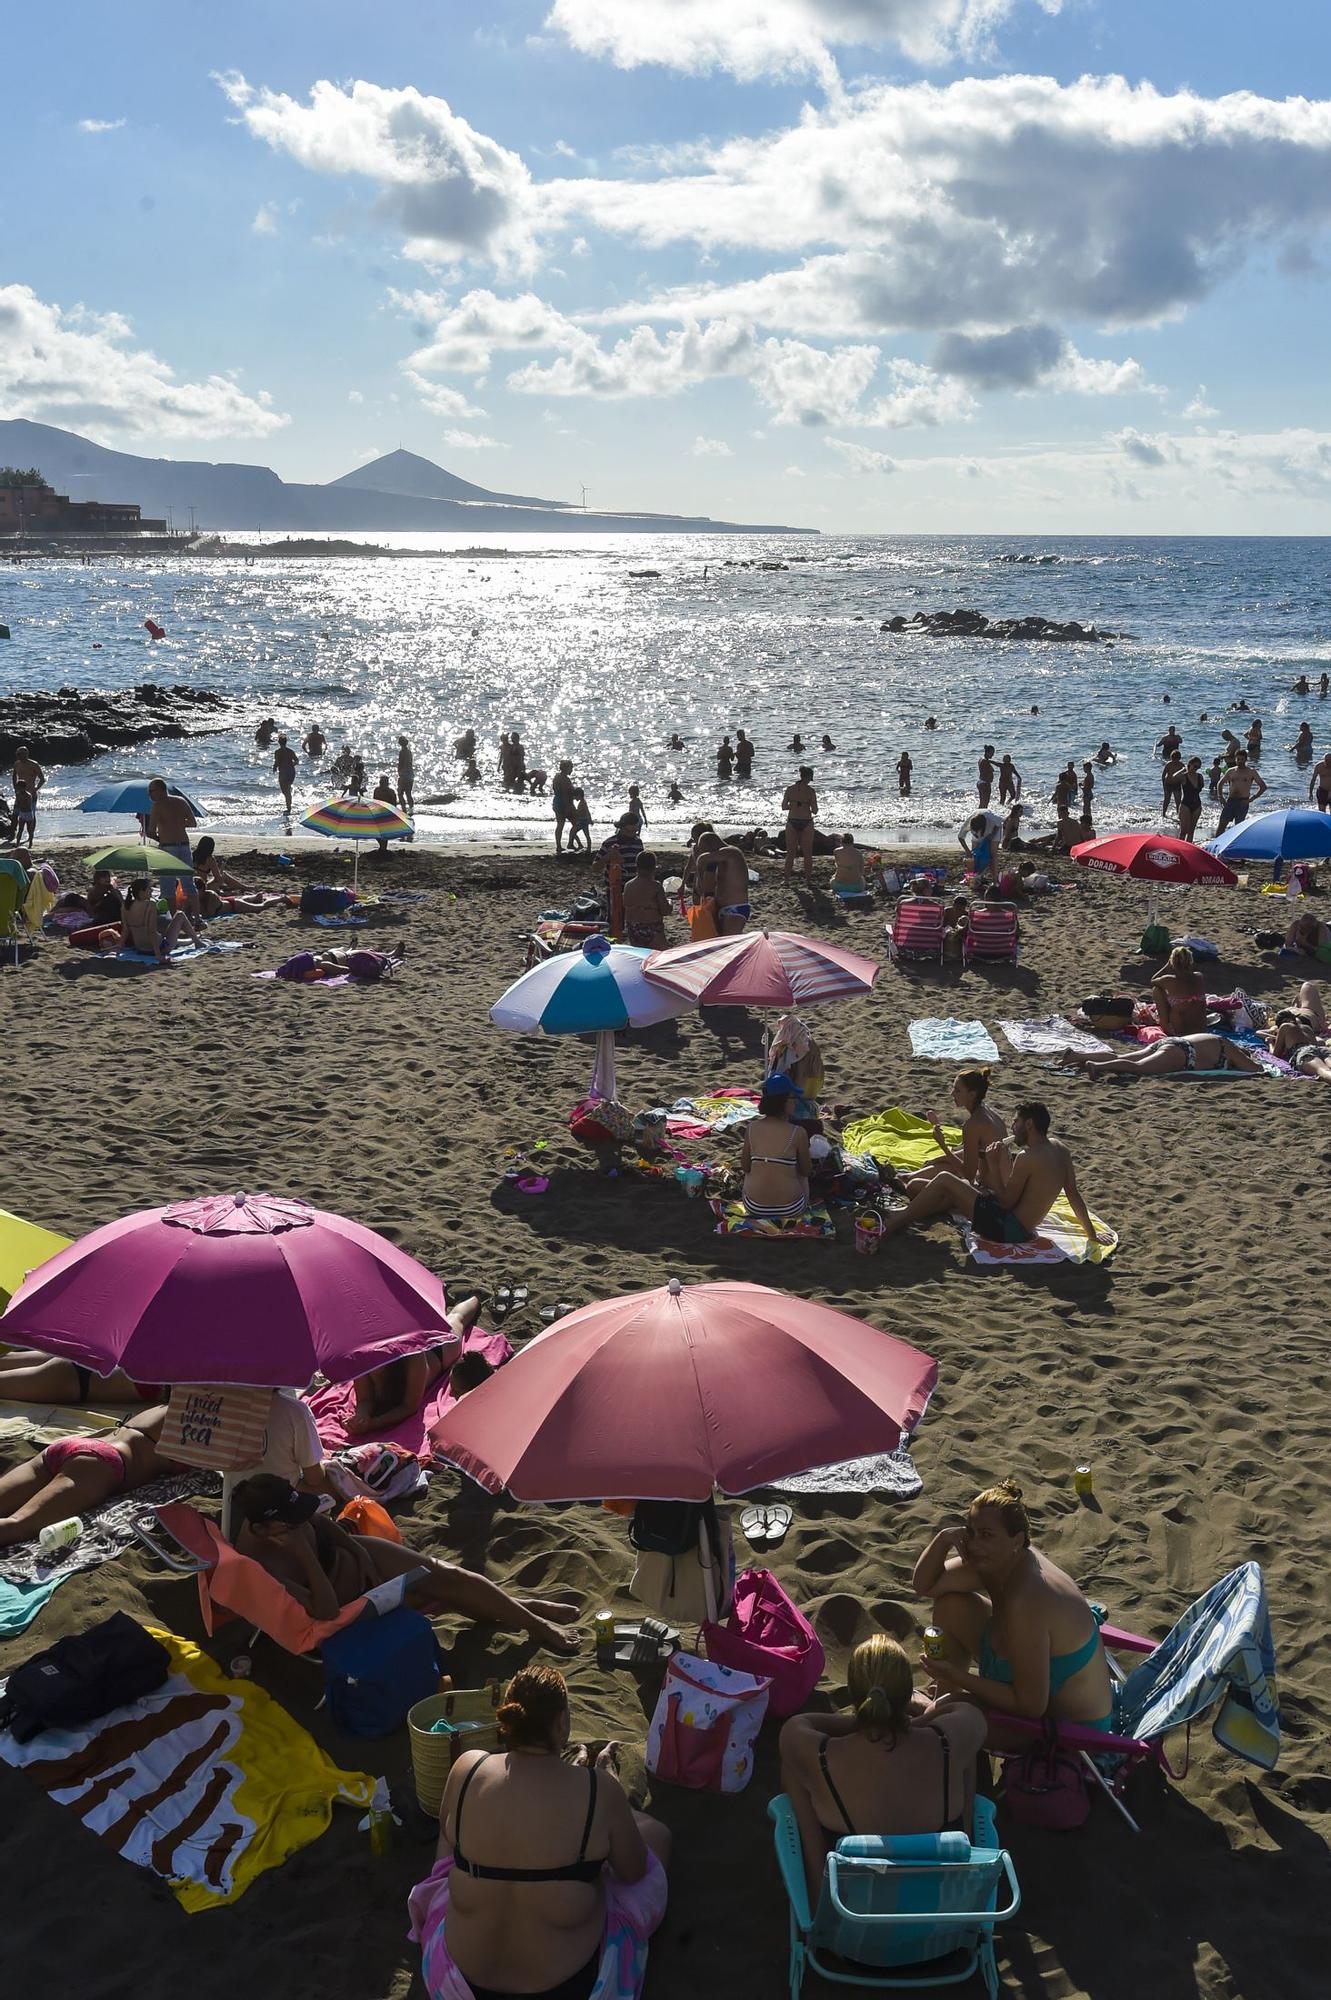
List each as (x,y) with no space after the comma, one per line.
(1176,1052)
(1031,1636)
(982,1128)
(389,1395)
(324,1567)
(75,1473)
(774,1158)
(898,1763)
(1296,1041)
(547,1884)
(29,1376)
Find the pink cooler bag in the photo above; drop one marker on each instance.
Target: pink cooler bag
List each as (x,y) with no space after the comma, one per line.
(704,1726)
(767,1634)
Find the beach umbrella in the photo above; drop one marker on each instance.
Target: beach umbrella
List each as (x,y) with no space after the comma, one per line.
(1153,858)
(130,795)
(762,969)
(357,820)
(230,1288)
(1296,834)
(664,1395)
(588,992)
(145,855)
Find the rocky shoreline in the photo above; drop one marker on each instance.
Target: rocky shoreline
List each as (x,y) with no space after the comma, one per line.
(74,725)
(964,624)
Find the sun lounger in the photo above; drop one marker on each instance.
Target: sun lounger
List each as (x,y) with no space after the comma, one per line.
(916,930)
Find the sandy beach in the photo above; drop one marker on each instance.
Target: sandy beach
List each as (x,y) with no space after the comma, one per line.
(1190,1370)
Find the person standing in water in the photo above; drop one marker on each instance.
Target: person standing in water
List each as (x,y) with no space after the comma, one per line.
(1009,781)
(984,782)
(904,769)
(743,755)
(406,776)
(800,805)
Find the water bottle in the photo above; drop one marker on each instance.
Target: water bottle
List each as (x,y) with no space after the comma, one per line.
(58,1535)
(381,1819)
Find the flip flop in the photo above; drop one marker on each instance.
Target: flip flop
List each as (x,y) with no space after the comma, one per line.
(521,1294)
(501,1302)
(642,1642)
(766,1527)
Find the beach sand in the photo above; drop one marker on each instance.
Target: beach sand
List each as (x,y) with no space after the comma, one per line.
(1190,1371)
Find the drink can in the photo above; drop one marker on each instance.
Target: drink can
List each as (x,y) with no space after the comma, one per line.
(603,1626)
(1082,1482)
(935,1643)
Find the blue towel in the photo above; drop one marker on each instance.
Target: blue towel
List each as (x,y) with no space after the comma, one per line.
(953,1041)
(1220,1651)
(20,1602)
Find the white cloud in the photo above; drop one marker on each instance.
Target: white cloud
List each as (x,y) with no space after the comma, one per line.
(439,398)
(1199,407)
(77,367)
(1144,450)
(355,396)
(101,124)
(265,220)
(451,190)
(774,38)
(472,441)
(794,472)
(705,447)
(860,458)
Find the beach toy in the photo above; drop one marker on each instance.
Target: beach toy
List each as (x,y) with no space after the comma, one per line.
(868,1232)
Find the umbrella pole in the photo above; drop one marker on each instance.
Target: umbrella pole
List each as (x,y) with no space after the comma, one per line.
(355,868)
(603,1076)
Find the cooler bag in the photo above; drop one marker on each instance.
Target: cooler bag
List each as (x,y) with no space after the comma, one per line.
(704,1726)
(378,1668)
(766,1634)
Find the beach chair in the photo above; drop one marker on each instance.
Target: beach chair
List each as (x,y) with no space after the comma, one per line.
(916,929)
(902,1910)
(992,934)
(12,929)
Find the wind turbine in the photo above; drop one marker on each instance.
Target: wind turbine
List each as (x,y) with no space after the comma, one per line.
(584,499)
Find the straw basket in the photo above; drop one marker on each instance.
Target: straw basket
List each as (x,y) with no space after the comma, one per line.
(471,1714)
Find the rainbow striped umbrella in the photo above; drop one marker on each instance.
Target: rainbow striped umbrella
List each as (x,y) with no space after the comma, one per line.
(357,820)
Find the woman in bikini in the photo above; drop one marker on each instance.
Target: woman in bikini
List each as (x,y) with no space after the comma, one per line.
(898,1763)
(29,1376)
(1018,1620)
(774,1157)
(75,1473)
(982,1128)
(1179,992)
(800,805)
(1175,1052)
(547,1881)
(1296,1040)
(389,1395)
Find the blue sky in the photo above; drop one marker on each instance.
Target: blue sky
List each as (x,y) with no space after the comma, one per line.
(861,264)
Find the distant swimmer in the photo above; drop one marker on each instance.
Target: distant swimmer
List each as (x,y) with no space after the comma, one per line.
(1009,780)
(1255,740)
(1104,755)
(743,755)
(1319,782)
(1169,744)
(796,743)
(284,764)
(464,746)
(1035,708)
(266,731)
(315,743)
(931,722)
(1302,746)
(828,744)
(675,795)
(676,742)
(904,769)
(1301,685)
(725,759)
(1324,685)
(984,782)
(406,775)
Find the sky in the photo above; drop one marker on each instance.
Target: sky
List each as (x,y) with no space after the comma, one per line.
(868,266)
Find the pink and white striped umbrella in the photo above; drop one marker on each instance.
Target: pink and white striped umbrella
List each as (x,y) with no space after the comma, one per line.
(762,969)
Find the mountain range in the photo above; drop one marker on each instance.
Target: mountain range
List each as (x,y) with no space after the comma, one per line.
(400,491)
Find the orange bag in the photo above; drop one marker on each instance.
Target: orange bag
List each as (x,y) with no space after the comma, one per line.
(363,1516)
(702,920)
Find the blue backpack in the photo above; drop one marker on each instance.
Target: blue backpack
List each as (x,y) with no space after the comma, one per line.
(378,1668)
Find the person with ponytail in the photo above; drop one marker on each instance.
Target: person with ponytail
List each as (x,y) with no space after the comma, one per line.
(899,1762)
(547,1881)
(982,1128)
(1020,1637)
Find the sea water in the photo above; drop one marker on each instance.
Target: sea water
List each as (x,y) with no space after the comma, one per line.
(560,641)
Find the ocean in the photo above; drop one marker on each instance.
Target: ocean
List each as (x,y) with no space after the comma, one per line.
(562,642)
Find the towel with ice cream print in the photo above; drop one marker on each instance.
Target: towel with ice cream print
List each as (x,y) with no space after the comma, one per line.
(706,1719)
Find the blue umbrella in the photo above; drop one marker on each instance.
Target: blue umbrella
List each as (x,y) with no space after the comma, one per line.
(1296,834)
(589,992)
(130,795)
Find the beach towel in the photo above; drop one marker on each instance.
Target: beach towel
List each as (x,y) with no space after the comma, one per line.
(181,954)
(1220,1651)
(896,1138)
(107,1530)
(20,1602)
(332,1406)
(719,1111)
(1049,1035)
(889,1472)
(733,1219)
(953,1041)
(1060,1240)
(632,1912)
(206,1782)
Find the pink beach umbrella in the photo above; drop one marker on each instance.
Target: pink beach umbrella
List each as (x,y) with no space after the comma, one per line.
(762,969)
(664,1395)
(229,1288)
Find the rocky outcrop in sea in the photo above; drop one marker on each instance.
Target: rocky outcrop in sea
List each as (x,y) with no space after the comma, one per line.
(963,624)
(73,725)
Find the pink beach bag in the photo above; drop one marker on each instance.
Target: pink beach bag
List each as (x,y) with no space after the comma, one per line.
(767,1634)
(704,1726)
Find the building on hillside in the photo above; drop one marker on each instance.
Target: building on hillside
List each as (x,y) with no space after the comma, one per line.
(34,508)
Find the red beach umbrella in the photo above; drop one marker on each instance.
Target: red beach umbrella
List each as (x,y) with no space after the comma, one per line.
(664,1395)
(1153,857)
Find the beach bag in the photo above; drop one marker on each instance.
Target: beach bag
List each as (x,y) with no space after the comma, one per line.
(701,920)
(1155,940)
(767,1634)
(363,1516)
(441,1729)
(83,1676)
(1046,1785)
(217,1425)
(685,1571)
(600,1121)
(378,1668)
(319,899)
(1108,1011)
(706,1719)
(299,966)
(369,964)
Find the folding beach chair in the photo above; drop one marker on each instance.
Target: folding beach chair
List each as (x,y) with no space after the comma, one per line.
(901,1910)
(916,929)
(12,929)
(992,934)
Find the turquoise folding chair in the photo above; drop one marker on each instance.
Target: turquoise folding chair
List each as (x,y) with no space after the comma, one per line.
(903,1910)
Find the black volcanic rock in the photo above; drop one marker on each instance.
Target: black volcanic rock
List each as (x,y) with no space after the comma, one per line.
(72,725)
(965,624)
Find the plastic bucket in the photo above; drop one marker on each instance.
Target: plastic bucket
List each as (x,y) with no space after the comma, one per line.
(868,1233)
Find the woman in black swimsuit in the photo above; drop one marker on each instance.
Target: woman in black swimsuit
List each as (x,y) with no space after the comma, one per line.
(389,1395)
(898,1763)
(546,1857)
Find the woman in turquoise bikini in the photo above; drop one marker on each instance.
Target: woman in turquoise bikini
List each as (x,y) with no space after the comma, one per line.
(1033,1638)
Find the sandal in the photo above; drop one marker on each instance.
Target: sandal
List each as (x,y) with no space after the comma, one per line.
(766,1527)
(501,1303)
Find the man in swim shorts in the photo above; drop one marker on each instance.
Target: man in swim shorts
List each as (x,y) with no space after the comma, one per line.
(1016,1192)
(1319,783)
(1238,788)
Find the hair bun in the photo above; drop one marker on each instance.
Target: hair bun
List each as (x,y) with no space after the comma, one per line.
(510,1714)
(1010,1485)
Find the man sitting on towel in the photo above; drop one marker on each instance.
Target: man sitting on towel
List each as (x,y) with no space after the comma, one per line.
(1016,1191)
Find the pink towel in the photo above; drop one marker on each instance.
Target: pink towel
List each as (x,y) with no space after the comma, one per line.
(332,1406)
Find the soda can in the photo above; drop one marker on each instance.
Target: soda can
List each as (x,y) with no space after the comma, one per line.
(935,1643)
(241,1667)
(1083,1485)
(603,1626)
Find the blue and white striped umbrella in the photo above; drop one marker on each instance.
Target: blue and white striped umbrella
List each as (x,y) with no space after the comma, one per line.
(589,992)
